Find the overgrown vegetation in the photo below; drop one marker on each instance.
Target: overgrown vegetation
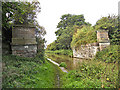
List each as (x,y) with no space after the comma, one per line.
(83,35)
(20,72)
(92,75)
(77,32)
(110,23)
(109,55)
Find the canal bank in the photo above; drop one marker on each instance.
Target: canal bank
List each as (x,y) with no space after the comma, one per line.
(58,74)
(71,63)
(84,73)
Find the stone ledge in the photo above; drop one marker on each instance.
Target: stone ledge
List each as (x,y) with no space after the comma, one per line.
(20,41)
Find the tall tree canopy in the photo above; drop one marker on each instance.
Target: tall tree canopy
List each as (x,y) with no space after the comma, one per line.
(69,20)
(66,29)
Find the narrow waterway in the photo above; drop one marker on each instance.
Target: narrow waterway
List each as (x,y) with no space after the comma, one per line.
(72,63)
(75,63)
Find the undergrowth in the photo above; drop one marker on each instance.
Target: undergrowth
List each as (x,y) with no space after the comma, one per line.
(83,36)
(92,75)
(20,72)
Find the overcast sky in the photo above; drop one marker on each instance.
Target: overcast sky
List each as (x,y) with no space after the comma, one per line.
(93,10)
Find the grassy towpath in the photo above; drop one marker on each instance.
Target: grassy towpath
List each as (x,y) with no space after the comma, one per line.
(19,72)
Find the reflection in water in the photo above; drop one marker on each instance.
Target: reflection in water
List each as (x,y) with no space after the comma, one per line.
(72,63)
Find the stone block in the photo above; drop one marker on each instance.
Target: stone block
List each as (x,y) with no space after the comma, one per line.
(24,50)
(103,45)
(85,51)
(23,41)
(102,36)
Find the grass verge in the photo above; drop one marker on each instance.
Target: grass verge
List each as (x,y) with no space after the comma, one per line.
(19,72)
(92,75)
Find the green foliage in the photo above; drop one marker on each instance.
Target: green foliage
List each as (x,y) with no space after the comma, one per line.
(62,52)
(65,31)
(101,72)
(65,38)
(63,64)
(92,75)
(20,72)
(83,35)
(110,54)
(40,46)
(68,20)
(20,12)
(111,24)
(51,46)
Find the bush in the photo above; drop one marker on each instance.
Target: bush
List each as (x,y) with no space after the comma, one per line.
(63,64)
(84,35)
(92,75)
(109,55)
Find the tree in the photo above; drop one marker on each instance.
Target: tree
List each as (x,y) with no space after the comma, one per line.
(65,38)
(69,20)
(66,29)
(52,46)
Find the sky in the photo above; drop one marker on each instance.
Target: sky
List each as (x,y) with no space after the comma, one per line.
(93,10)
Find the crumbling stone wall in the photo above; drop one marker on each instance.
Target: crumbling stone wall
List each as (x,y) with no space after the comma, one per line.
(23,41)
(89,51)
(86,51)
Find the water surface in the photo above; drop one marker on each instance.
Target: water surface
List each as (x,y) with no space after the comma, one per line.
(72,63)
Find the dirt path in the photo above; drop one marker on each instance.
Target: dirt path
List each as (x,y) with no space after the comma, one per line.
(57,77)
(58,73)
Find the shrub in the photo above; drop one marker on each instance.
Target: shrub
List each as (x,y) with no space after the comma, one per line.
(92,75)
(109,55)
(63,64)
(84,35)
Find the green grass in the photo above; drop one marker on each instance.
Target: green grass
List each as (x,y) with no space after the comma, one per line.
(19,72)
(92,75)
(62,52)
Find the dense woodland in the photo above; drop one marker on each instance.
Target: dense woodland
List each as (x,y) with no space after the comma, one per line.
(72,31)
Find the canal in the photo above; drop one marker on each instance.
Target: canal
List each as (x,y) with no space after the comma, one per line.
(72,63)
(108,69)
